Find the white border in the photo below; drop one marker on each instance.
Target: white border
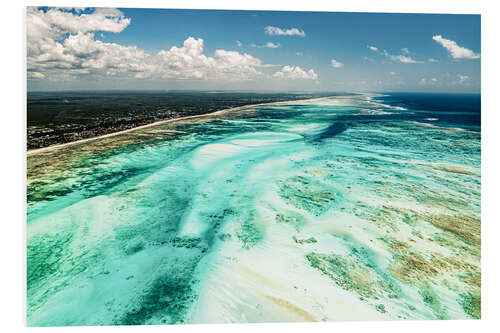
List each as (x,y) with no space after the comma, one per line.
(13,174)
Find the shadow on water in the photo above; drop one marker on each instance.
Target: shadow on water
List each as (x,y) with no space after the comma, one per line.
(331,131)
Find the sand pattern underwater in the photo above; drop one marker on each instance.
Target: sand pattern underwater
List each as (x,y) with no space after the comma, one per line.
(340,208)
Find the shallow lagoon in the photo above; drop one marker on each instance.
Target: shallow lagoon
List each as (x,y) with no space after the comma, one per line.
(340,208)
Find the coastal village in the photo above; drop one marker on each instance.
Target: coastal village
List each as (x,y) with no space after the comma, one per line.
(51,134)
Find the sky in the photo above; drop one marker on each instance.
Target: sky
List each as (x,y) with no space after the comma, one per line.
(162,49)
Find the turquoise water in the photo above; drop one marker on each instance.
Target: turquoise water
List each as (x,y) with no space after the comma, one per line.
(331,209)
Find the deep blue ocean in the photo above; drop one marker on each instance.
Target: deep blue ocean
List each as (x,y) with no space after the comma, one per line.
(448,110)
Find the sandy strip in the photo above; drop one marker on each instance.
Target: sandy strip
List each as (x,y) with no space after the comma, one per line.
(239,108)
(456,129)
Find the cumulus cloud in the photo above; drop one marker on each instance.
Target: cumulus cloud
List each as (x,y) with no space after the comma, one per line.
(269,45)
(432,60)
(299,54)
(336,64)
(270,30)
(82,54)
(454,50)
(295,73)
(272,45)
(401,58)
(35,75)
(405,59)
(55,22)
(189,62)
(62,44)
(393,73)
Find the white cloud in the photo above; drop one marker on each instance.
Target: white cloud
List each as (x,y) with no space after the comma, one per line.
(62,46)
(294,73)
(462,78)
(432,60)
(239,43)
(455,51)
(82,54)
(57,51)
(270,30)
(404,59)
(336,64)
(300,54)
(55,22)
(35,75)
(269,45)
(401,58)
(272,45)
(45,30)
(393,73)
(398,58)
(189,62)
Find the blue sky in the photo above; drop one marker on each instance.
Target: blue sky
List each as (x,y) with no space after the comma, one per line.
(152,49)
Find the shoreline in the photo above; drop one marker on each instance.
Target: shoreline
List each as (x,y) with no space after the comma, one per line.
(237,108)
